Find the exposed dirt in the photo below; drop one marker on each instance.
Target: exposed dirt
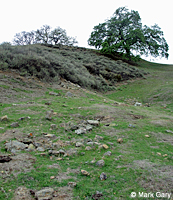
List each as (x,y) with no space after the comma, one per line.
(22,162)
(155,177)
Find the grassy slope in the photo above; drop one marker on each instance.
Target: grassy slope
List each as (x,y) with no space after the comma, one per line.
(134,165)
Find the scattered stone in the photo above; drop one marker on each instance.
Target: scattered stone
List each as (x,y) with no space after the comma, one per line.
(88,148)
(53,152)
(26,140)
(72,184)
(52,177)
(59,159)
(69,94)
(4,118)
(138,104)
(110,143)
(22,193)
(14,124)
(165,155)
(80,131)
(88,127)
(44,194)
(98,138)
(78,144)
(15,146)
(71,152)
(103,176)
(49,135)
(131,126)
(1,128)
(108,153)
(49,115)
(48,103)
(169,131)
(97,196)
(5,159)
(82,153)
(147,136)
(105,146)
(31,147)
(120,140)
(93,122)
(90,143)
(93,161)
(54,94)
(84,172)
(53,126)
(62,152)
(40,149)
(100,163)
(159,154)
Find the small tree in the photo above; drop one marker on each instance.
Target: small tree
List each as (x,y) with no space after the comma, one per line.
(24,38)
(124,32)
(43,34)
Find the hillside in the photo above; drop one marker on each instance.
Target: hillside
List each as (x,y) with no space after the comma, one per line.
(81,66)
(59,140)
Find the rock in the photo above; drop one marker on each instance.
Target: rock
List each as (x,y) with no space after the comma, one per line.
(103,176)
(49,115)
(78,144)
(131,126)
(49,135)
(88,148)
(108,153)
(53,126)
(84,172)
(72,184)
(48,103)
(93,161)
(100,163)
(147,136)
(105,146)
(98,138)
(26,140)
(54,94)
(31,147)
(98,195)
(138,104)
(93,122)
(4,118)
(120,140)
(40,149)
(80,131)
(71,152)
(90,143)
(5,159)
(45,194)
(168,131)
(14,124)
(89,127)
(15,145)
(69,94)
(22,193)
(53,152)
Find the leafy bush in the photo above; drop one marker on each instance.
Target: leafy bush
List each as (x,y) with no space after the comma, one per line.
(78,65)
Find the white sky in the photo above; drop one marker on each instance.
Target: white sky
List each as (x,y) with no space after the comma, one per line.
(78,17)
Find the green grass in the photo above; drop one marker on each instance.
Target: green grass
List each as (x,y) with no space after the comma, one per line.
(123,176)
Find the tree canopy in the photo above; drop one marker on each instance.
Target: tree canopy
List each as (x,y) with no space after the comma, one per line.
(44,35)
(124,33)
